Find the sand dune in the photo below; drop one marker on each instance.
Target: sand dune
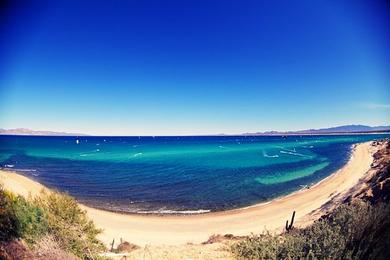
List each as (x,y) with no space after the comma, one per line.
(173,230)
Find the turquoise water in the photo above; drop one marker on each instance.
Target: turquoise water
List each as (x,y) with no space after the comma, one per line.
(177,174)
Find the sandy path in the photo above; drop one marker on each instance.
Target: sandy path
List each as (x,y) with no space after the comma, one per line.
(173,230)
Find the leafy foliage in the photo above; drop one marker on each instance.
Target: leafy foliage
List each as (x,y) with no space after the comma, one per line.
(8,221)
(354,231)
(69,224)
(31,219)
(50,214)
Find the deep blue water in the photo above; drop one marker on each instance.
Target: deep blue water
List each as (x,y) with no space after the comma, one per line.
(177,174)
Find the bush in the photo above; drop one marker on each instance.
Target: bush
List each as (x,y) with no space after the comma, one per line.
(69,224)
(21,219)
(354,231)
(50,216)
(8,221)
(262,246)
(31,220)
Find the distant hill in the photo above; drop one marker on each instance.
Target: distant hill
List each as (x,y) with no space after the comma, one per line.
(25,131)
(345,129)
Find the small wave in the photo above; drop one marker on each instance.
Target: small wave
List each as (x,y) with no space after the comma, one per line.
(289,150)
(137,154)
(9,166)
(167,211)
(25,170)
(221,146)
(270,156)
(293,153)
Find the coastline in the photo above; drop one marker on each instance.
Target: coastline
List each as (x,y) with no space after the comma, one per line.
(181,229)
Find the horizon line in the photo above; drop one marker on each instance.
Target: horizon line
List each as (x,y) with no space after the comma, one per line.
(307,131)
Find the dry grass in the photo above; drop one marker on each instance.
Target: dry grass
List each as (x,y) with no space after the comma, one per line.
(49,248)
(189,251)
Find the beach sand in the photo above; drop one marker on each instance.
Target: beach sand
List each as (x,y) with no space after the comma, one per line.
(175,230)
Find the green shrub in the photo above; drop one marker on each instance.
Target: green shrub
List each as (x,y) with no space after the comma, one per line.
(8,221)
(354,231)
(262,246)
(365,227)
(69,224)
(20,219)
(31,220)
(50,214)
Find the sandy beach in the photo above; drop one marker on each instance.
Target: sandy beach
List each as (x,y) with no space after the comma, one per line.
(176,230)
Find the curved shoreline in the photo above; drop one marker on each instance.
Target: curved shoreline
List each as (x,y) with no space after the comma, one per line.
(181,229)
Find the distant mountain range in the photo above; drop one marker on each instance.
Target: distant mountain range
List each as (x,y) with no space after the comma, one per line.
(332,130)
(345,129)
(25,131)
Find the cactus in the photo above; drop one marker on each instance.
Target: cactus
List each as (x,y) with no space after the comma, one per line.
(112,245)
(289,227)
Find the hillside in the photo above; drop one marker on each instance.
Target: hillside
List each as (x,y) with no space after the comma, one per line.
(25,131)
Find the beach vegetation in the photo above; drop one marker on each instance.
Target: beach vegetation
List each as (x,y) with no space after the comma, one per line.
(8,221)
(31,220)
(357,230)
(49,218)
(290,227)
(69,224)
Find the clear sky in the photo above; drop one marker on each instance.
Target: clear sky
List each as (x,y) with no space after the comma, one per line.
(193,67)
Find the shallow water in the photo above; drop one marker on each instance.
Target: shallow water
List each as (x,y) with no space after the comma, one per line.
(177,174)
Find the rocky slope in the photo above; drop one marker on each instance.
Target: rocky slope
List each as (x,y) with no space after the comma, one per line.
(376,186)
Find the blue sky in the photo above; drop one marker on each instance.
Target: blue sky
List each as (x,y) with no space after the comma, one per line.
(193,67)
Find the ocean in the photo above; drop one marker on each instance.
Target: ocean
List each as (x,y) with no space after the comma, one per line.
(191,174)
